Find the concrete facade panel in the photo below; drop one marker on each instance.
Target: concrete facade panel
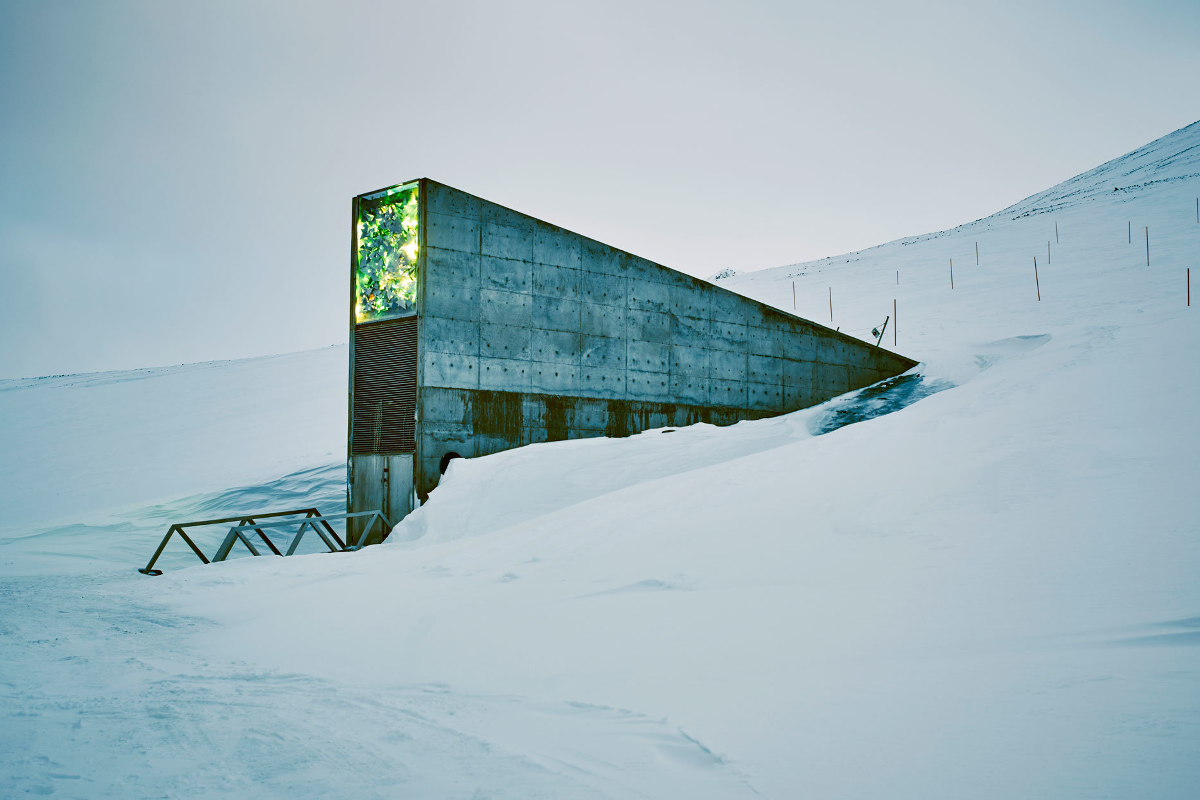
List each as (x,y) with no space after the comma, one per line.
(757,316)
(763,342)
(506,274)
(490,212)
(534,436)
(647,385)
(764,396)
(861,376)
(726,306)
(602,352)
(641,269)
(835,350)
(452,301)
(486,444)
(448,407)
(831,379)
(505,341)
(602,320)
(800,347)
(596,382)
(644,295)
(444,335)
(690,330)
(689,301)
(451,266)
(458,432)
(505,374)
(799,373)
(451,233)
(555,314)
(795,397)
(451,370)
(605,290)
(505,308)
(562,282)
(727,393)
(692,361)
(602,259)
(506,241)
(556,347)
(557,247)
(729,336)
(776,320)
(648,356)
(764,369)
(452,202)
(727,365)
(648,326)
(550,378)
(648,416)
(588,415)
(883,361)
(689,389)
(533,410)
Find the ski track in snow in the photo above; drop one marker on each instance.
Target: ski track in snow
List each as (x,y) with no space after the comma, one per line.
(977,579)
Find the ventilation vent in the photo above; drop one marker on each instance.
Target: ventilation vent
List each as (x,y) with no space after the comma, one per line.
(385,387)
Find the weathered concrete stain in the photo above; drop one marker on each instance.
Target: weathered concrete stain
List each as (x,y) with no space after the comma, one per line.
(558,411)
(497,414)
(478,422)
(618,419)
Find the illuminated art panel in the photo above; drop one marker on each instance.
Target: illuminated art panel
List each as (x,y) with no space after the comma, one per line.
(386,278)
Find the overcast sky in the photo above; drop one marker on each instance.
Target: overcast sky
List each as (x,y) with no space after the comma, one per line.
(175,178)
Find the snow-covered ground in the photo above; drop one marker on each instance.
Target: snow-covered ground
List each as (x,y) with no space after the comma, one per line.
(989,592)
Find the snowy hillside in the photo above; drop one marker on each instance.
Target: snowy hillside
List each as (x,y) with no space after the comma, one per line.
(78,444)
(984,588)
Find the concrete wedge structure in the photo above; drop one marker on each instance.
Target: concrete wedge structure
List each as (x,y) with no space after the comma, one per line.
(475,329)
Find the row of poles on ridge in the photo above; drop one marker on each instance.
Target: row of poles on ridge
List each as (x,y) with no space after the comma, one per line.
(1036,280)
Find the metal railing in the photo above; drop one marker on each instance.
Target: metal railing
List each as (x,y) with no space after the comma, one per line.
(250,522)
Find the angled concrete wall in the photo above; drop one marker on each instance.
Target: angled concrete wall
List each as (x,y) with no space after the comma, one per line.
(529,332)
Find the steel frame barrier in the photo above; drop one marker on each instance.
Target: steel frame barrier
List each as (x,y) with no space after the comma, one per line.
(250,522)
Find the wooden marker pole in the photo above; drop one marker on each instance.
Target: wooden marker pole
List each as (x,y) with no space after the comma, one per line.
(1047,254)
(896,320)
(831,304)
(897,277)
(1035,279)
(1130,226)
(1056,232)
(952,273)
(1189,286)
(977,254)
(1147,245)
(1197,212)
(793,295)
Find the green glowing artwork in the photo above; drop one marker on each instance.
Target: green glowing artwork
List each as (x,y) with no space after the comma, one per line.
(386,281)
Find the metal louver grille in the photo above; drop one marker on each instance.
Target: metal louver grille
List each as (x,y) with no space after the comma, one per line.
(385,387)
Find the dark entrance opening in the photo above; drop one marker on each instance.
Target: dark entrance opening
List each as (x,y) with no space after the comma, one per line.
(446,459)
